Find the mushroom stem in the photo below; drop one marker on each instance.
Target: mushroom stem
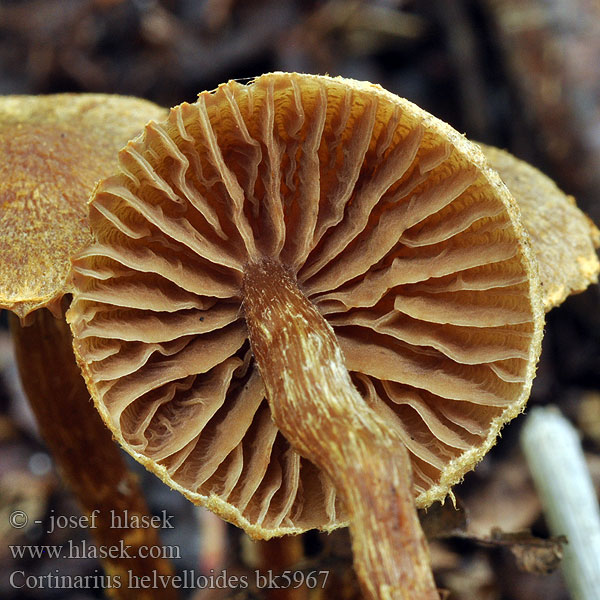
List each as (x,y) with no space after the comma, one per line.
(279,555)
(318,409)
(88,459)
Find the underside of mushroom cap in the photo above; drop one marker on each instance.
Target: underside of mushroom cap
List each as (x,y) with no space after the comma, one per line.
(54,149)
(395,228)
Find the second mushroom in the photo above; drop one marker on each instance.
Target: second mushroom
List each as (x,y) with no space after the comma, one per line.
(309,303)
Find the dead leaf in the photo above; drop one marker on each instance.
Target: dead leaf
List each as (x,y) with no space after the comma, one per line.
(532,554)
(443,520)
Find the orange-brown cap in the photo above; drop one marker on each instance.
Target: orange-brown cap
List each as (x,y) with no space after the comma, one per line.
(395,228)
(563,238)
(53,150)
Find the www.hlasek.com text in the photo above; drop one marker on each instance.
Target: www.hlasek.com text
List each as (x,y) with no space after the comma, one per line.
(83,549)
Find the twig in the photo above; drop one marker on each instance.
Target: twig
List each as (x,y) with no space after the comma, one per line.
(561,476)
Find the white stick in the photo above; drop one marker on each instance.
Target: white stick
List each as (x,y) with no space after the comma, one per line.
(561,476)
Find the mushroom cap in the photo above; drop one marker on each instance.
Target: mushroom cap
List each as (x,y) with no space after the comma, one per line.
(563,238)
(396,229)
(54,149)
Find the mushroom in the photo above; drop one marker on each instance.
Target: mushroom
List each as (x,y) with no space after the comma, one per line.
(564,239)
(309,303)
(54,148)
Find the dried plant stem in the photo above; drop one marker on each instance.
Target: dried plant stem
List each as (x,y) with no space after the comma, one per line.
(85,453)
(563,481)
(318,409)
